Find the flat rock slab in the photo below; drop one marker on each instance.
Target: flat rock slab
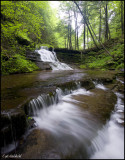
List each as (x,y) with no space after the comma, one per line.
(100,103)
(38,145)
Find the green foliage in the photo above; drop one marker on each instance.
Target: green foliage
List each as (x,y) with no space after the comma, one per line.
(17,64)
(83,66)
(102,61)
(24,24)
(120,66)
(29,118)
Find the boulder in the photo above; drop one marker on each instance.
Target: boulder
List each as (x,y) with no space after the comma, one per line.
(43,65)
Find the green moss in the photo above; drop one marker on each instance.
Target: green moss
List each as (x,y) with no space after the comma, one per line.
(101,60)
(121,66)
(17,64)
(83,66)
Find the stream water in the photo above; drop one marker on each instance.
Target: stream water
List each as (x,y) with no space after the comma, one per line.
(76,132)
(68,118)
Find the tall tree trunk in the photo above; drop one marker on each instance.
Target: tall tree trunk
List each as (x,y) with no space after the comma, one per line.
(65,42)
(84,27)
(70,35)
(75,27)
(87,24)
(100,23)
(87,39)
(106,22)
(68,38)
(84,36)
(77,39)
(122,19)
(87,29)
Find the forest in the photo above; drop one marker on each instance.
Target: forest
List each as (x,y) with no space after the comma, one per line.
(62,80)
(85,25)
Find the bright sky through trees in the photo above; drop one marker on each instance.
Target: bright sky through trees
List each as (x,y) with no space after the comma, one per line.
(55,5)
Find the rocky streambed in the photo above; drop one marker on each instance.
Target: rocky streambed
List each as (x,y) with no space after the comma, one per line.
(57,114)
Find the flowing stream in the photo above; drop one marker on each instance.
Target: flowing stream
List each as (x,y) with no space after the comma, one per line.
(75,131)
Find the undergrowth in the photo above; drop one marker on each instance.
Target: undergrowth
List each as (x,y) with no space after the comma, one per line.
(101,60)
(17,64)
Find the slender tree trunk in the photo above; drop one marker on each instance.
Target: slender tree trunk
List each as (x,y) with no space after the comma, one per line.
(100,24)
(86,24)
(84,37)
(122,19)
(65,42)
(90,30)
(75,27)
(106,22)
(87,29)
(84,27)
(68,38)
(109,32)
(70,35)
(87,39)
(77,39)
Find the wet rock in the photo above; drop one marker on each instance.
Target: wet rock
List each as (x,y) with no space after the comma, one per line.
(68,85)
(6,135)
(87,84)
(31,123)
(117,87)
(37,146)
(100,104)
(104,77)
(13,126)
(104,80)
(44,65)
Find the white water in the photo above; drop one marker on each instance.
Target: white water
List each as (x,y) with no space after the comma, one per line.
(100,86)
(109,144)
(70,126)
(48,56)
(74,128)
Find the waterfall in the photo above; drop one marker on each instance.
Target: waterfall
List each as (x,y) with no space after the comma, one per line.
(76,130)
(48,56)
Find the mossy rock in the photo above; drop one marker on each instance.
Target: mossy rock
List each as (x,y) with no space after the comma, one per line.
(68,85)
(87,84)
(119,87)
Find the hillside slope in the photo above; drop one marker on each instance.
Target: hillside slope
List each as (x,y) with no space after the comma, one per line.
(98,58)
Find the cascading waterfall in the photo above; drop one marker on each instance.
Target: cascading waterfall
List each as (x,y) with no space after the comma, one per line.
(76,131)
(48,56)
